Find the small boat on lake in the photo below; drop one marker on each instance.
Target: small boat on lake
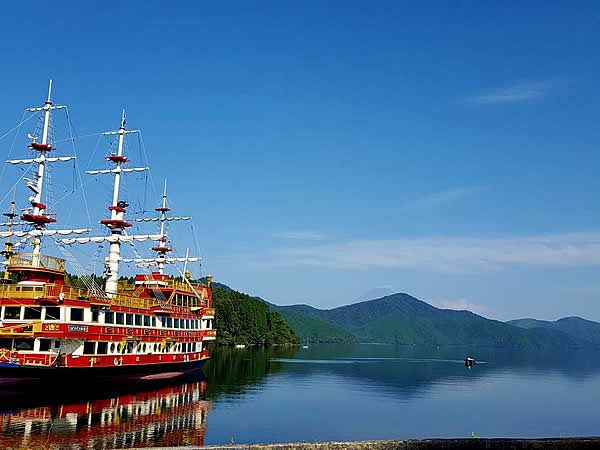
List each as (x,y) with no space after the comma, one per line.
(469,362)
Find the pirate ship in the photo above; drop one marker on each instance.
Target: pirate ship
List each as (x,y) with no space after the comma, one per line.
(155,325)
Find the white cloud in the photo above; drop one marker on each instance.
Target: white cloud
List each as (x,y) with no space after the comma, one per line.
(517,93)
(301,235)
(450,254)
(460,305)
(439,198)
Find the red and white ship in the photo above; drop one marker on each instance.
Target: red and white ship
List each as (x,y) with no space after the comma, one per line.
(156,326)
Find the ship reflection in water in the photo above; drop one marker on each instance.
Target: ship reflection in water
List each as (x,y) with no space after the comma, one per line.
(171,414)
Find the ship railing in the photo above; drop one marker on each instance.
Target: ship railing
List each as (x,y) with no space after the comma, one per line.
(125,285)
(129,301)
(49,291)
(17,291)
(183,286)
(54,291)
(37,261)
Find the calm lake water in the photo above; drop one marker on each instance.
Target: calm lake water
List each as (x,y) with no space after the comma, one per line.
(325,392)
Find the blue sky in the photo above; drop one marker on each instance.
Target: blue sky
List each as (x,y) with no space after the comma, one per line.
(449,150)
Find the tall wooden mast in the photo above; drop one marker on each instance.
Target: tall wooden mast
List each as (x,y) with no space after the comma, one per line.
(116,224)
(37,218)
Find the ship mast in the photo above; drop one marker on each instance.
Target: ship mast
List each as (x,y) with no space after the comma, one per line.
(116,224)
(37,218)
(162,249)
(8,246)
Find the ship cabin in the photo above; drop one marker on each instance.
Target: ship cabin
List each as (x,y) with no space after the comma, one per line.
(46,321)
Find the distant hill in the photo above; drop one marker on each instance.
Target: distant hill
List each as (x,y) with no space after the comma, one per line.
(575,327)
(403,319)
(216,284)
(310,329)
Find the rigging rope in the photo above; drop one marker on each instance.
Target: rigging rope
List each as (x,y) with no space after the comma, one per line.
(87,210)
(87,279)
(18,127)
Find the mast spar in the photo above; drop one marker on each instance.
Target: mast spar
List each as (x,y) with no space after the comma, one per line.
(37,218)
(163,247)
(116,224)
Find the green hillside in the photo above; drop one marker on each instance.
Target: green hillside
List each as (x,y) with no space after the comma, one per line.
(309,329)
(241,319)
(403,319)
(575,327)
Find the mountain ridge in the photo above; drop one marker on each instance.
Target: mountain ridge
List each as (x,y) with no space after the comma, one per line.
(400,318)
(403,319)
(574,326)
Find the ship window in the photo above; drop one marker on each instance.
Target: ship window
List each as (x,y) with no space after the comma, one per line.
(119,347)
(56,344)
(95,314)
(130,347)
(6,343)
(169,322)
(109,317)
(89,348)
(112,347)
(102,348)
(45,345)
(32,313)
(138,319)
(146,321)
(129,319)
(12,312)
(119,318)
(143,348)
(52,313)
(24,344)
(176,325)
(76,314)
(153,319)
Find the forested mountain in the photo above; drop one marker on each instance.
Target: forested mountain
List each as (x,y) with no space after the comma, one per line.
(310,329)
(241,319)
(403,319)
(576,327)
(398,318)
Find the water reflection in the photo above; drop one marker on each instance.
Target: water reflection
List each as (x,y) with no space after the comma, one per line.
(164,415)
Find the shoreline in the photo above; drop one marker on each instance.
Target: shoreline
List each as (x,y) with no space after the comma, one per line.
(571,443)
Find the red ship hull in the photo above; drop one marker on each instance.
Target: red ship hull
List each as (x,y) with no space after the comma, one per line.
(14,372)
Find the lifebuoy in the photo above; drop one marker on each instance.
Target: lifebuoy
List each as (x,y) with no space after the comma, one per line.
(4,354)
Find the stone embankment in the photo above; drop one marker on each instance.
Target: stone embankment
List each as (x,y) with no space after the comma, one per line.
(427,444)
